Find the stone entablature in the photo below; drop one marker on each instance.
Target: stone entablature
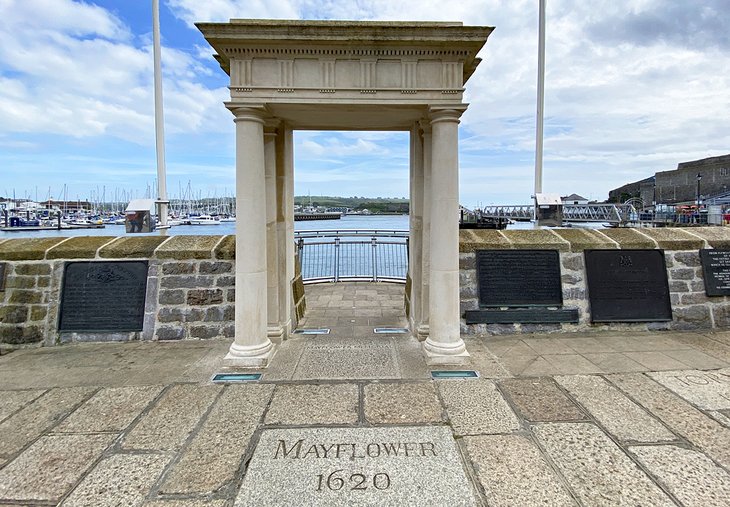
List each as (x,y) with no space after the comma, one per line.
(691,308)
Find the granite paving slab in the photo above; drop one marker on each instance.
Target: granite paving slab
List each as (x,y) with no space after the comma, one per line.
(30,422)
(389,403)
(689,475)
(709,390)
(111,409)
(355,360)
(186,503)
(388,467)
(213,457)
(678,415)
(623,418)
(512,472)
(50,467)
(12,401)
(656,361)
(614,362)
(476,407)
(121,479)
(596,469)
(169,423)
(314,404)
(696,359)
(540,399)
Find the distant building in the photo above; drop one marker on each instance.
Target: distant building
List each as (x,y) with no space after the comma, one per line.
(680,185)
(574,199)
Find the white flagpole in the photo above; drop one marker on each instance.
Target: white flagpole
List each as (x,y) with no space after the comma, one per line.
(540,99)
(162,201)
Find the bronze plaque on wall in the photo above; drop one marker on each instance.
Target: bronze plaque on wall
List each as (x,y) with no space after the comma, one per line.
(519,278)
(103,296)
(628,286)
(716,271)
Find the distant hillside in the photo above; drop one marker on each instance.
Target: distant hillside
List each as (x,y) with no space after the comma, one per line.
(374,204)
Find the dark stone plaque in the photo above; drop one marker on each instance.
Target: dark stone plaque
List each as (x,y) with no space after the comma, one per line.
(2,275)
(628,286)
(716,271)
(103,296)
(522,316)
(519,278)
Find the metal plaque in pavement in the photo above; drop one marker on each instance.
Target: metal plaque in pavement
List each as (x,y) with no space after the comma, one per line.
(628,286)
(356,467)
(519,278)
(103,296)
(716,271)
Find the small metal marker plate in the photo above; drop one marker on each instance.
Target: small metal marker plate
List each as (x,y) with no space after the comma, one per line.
(439,374)
(324,330)
(390,330)
(236,377)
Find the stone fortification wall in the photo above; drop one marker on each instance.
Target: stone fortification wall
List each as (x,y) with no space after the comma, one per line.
(691,308)
(680,185)
(189,294)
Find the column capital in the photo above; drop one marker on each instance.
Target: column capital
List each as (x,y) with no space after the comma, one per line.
(425,125)
(446,113)
(271,126)
(257,113)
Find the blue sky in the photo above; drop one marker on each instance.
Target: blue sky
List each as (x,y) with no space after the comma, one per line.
(633,87)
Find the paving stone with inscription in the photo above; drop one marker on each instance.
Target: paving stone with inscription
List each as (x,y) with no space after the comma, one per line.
(50,467)
(476,407)
(12,401)
(412,402)
(513,472)
(169,423)
(111,409)
(539,399)
(596,469)
(121,479)
(690,476)
(314,404)
(709,390)
(622,417)
(227,430)
(30,422)
(678,415)
(356,467)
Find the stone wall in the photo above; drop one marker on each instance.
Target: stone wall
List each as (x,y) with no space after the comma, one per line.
(190,286)
(691,308)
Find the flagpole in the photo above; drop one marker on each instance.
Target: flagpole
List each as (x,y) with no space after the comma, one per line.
(162,201)
(540,100)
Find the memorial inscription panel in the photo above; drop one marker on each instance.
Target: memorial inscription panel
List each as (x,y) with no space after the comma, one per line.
(2,275)
(103,296)
(519,278)
(356,466)
(627,286)
(716,271)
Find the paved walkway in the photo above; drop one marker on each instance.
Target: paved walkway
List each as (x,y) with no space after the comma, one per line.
(621,419)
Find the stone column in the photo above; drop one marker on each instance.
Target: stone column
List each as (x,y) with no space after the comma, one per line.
(275,331)
(444,344)
(252,346)
(415,242)
(285,224)
(422,328)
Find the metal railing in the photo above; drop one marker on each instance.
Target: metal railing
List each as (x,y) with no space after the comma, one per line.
(353,255)
(608,213)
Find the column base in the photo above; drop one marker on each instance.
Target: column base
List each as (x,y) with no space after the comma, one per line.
(275,334)
(250,356)
(438,353)
(422,332)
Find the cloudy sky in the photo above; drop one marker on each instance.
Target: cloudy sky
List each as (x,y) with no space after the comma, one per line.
(632,87)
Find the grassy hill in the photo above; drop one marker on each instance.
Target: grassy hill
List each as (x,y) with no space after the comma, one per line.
(374,204)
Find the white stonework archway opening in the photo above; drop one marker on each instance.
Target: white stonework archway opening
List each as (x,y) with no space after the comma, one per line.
(344,75)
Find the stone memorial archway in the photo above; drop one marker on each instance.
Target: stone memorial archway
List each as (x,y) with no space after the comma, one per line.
(344,75)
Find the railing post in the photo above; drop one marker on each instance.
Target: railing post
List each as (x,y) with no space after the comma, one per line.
(300,251)
(375,259)
(337,260)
